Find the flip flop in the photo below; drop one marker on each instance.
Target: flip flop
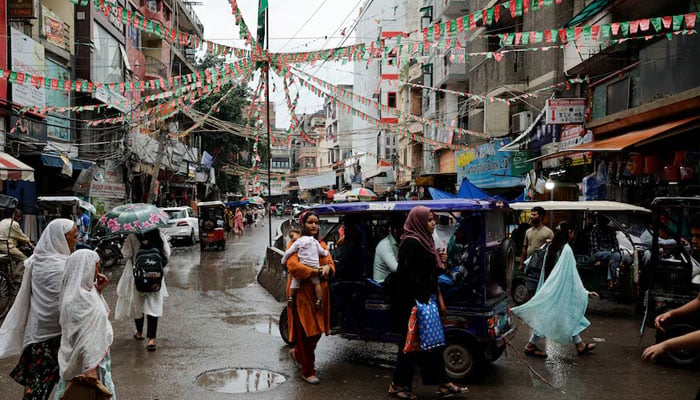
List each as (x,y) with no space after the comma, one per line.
(151,347)
(589,347)
(450,389)
(401,392)
(137,337)
(535,352)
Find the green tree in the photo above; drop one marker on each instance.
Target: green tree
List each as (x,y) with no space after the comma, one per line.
(224,146)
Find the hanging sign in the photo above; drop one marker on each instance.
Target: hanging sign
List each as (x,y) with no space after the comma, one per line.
(565,111)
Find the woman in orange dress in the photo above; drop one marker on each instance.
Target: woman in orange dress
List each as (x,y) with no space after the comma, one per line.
(306,321)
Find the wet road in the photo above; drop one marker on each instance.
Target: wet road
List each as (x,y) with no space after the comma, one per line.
(217,317)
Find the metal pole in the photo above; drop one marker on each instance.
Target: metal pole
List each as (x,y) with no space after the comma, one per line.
(269,129)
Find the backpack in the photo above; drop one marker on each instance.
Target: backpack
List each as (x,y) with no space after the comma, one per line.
(148,270)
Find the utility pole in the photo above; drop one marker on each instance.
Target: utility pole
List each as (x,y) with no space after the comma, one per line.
(269,129)
(156,165)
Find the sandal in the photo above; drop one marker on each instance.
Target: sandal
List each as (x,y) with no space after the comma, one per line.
(319,304)
(139,336)
(589,347)
(535,352)
(401,392)
(450,389)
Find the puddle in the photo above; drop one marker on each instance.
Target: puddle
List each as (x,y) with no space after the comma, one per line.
(240,380)
(262,323)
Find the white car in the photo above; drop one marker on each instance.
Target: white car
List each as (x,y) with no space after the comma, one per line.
(183,224)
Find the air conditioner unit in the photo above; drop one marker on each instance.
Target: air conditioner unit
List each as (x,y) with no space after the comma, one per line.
(520,121)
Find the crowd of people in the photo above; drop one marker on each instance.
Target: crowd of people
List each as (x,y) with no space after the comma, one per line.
(238,218)
(59,322)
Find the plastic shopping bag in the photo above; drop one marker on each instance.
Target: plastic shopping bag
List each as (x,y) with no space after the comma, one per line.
(429,325)
(412,337)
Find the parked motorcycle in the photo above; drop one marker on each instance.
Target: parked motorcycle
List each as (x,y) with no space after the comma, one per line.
(107,247)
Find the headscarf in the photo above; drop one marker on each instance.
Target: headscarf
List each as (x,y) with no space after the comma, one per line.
(34,316)
(86,333)
(416,227)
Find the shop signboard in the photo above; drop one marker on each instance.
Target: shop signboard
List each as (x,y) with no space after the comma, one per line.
(520,166)
(565,111)
(574,135)
(486,167)
(27,57)
(546,149)
(20,9)
(57,126)
(109,190)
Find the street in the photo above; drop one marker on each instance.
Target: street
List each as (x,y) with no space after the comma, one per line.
(217,317)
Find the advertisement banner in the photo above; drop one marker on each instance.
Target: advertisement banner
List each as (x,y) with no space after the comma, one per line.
(58,127)
(53,28)
(486,167)
(27,57)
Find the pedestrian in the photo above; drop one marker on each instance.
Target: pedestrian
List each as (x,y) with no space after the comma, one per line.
(83,226)
(306,321)
(32,326)
(238,221)
(132,303)
(228,222)
(417,274)
(557,309)
(689,311)
(536,236)
(86,333)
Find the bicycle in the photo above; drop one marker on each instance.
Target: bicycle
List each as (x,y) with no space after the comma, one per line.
(8,287)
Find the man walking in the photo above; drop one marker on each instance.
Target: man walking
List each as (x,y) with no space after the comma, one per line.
(537,235)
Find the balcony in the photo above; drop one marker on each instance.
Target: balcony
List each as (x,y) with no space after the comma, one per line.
(183,62)
(415,74)
(187,19)
(454,8)
(156,68)
(307,152)
(454,74)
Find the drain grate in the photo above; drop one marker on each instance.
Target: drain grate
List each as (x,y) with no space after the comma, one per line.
(240,380)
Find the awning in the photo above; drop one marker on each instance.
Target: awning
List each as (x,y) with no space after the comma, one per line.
(635,138)
(14,169)
(54,161)
(588,12)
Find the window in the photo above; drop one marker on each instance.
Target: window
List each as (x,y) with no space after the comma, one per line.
(426,16)
(428,75)
(391,99)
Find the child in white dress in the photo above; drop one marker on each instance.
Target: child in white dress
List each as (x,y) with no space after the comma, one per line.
(308,250)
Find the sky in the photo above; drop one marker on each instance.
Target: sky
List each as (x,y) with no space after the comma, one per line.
(295,26)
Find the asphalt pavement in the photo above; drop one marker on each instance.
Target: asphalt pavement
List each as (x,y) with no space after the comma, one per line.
(220,334)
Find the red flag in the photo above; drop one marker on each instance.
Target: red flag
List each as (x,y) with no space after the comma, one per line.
(460,25)
(497,13)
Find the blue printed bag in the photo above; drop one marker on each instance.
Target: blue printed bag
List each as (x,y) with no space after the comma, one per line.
(429,325)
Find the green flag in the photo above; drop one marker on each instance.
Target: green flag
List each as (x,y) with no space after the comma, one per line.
(262,11)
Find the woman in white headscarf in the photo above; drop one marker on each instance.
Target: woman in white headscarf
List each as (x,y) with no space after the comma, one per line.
(32,326)
(86,333)
(132,303)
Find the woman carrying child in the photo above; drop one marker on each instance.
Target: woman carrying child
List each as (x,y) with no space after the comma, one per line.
(306,321)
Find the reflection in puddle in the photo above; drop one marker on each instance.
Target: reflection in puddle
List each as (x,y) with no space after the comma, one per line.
(231,380)
(262,323)
(560,361)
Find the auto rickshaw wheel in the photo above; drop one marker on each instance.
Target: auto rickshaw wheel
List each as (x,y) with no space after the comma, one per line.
(462,358)
(284,327)
(679,357)
(519,292)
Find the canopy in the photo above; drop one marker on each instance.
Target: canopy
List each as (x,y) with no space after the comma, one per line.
(361,194)
(14,169)
(593,205)
(406,206)
(68,200)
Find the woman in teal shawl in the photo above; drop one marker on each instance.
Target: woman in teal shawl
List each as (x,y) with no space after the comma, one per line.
(557,309)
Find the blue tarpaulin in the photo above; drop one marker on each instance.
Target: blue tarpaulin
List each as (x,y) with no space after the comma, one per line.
(466,191)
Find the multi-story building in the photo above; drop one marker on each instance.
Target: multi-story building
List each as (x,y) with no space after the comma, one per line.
(339,127)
